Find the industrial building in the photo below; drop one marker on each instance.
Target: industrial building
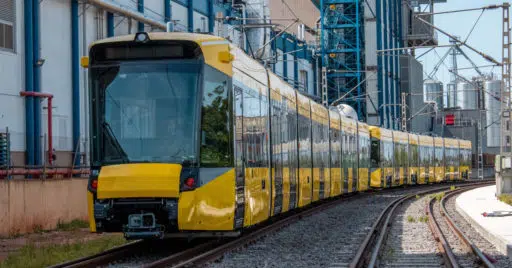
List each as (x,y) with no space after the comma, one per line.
(352,52)
(41,43)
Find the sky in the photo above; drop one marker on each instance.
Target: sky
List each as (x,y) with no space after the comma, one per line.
(486,36)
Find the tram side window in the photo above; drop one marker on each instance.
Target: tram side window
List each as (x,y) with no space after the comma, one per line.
(216,122)
(414,155)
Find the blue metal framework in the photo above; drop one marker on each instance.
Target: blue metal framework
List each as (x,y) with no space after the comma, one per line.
(342,45)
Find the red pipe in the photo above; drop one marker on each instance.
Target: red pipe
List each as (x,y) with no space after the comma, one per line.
(50,122)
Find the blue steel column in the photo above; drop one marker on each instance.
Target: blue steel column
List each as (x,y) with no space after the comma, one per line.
(140,8)
(167,10)
(358,64)
(29,81)
(295,65)
(273,49)
(386,87)
(397,64)
(285,58)
(379,64)
(190,13)
(37,84)
(211,16)
(110,24)
(393,63)
(75,76)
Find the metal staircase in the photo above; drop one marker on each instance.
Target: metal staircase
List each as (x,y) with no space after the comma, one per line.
(342,44)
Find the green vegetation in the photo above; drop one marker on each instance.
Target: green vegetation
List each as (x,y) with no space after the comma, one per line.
(417,196)
(437,196)
(411,219)
(423,218)
(72,226)
(32,256)
(452,188)
(506,198)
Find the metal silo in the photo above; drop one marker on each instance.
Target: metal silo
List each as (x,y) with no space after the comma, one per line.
(433,92)
(492,90)
(451,95)
(467,96)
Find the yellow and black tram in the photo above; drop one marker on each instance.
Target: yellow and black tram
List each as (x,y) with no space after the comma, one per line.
(192,137)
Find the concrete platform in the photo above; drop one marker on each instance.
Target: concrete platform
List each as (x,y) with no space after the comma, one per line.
(498,230)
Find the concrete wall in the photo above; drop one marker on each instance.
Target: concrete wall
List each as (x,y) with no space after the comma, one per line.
(27,204)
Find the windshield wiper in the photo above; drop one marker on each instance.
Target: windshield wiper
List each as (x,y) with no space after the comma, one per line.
(114,142)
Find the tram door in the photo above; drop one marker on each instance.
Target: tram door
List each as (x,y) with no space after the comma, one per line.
(239,159)
(276,147)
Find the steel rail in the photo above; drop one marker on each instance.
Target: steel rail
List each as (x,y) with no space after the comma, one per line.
(440,238)
(441,242)
(363,258)
(478,253)
(103,257)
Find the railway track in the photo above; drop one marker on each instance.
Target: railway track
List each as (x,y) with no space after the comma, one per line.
(457,249)
(371,251)
(207,251)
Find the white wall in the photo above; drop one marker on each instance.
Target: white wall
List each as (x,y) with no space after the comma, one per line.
(279,63)
(12,75)
(198,22)
(56,71)
(179,13)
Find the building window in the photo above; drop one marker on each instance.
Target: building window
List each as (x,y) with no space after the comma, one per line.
(303,79)
(508,125)
(7,20)
(507,138)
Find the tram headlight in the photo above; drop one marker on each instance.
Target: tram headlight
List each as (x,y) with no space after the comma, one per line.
(141,37)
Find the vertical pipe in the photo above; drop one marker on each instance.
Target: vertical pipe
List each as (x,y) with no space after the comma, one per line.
(50,131)
(37,83)
(211,16)
(190,19)
(140,8)
(75,81)
(110,24)
(29,81)
(167,10)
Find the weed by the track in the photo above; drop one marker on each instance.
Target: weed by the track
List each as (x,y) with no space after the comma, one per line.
(33,256)
(72,225)
(417,196)
(411,219)
(423,219)
(506,198)
(452,188)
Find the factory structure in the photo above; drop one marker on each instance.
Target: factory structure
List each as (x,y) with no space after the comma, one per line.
(352,52)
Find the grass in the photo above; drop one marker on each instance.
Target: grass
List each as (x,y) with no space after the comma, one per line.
(72,226)
(506,198)
(32,256)
(452,188)
(411,219)
(423,219)
(417,196)
(437,196)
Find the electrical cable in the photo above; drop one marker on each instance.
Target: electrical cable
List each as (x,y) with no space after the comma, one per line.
(474,25)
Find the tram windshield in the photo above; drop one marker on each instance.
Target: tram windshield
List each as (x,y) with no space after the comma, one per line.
(146,111)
